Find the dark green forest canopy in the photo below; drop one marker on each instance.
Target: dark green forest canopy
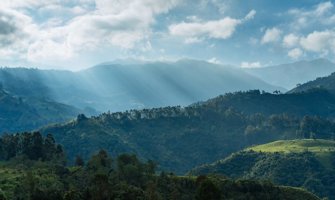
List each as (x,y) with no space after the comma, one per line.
(28,176)
(180,138)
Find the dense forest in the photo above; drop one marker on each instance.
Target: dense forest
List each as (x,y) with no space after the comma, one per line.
(300,163)
(33,168)
(180,138)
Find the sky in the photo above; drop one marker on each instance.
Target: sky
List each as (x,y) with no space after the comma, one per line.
(76,34)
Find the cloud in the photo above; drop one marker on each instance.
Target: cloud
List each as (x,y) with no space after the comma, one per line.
(295,53)
(13,27)
(220,29)
(290,40)
(250,15)
(215,29)
(214,60)
(251,65)
(323,8)
(320,14)
(67,29)
(319,41)
(13,4)
(271,35)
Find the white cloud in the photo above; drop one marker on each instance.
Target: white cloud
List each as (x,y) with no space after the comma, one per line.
(26,3)
(323,8)
(295,53)
(214,60)
(271,35)
(220,29)
(250,15)
(290,40)
(321,13)
(319,41)
(217,29)
(68,29)
(251,64)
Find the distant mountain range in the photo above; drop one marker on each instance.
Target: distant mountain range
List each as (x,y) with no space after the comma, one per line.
(118,87)
(290,75)
(56,95)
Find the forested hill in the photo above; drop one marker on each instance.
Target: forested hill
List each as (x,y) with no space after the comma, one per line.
(318,102)
(20,114)
(300,163)
(180,138)
(327,82)
(32,167)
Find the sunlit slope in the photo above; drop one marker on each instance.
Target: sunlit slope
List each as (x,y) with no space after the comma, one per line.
(306,163)
(297,146)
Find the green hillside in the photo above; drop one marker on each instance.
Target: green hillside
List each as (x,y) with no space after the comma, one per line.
(297,146)
(305,163)
(180,138)
(20,114)
(325,82)
(32,167)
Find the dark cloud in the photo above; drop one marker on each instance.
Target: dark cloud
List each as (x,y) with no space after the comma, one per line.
(7,24)
(7,28)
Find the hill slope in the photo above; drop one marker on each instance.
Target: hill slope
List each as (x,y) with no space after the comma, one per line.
(180,138)
(289,75)
(18,114)
(327,82)
(300,163)
(33,167)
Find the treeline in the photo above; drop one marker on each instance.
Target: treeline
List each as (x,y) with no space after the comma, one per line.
(181,138)
(303,169)
(32,146)
(37,172)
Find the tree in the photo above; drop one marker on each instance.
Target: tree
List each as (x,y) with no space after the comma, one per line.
(79,161)
(49,147)
(207,191)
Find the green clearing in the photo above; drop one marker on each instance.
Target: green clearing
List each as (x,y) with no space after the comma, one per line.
(323,149)
(297,146)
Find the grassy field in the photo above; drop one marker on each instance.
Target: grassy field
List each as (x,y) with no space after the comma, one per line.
(297,146)
(323,149)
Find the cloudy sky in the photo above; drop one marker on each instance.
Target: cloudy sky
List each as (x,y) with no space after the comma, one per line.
(75,34)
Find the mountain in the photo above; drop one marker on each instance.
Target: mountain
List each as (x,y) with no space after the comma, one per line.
(118,87)
(299,163)
(33,167)
(290,75)
(158,84)
(327,83)
(180,138)
(19,114)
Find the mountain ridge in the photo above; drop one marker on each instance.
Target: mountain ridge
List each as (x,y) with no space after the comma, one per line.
(291,74)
